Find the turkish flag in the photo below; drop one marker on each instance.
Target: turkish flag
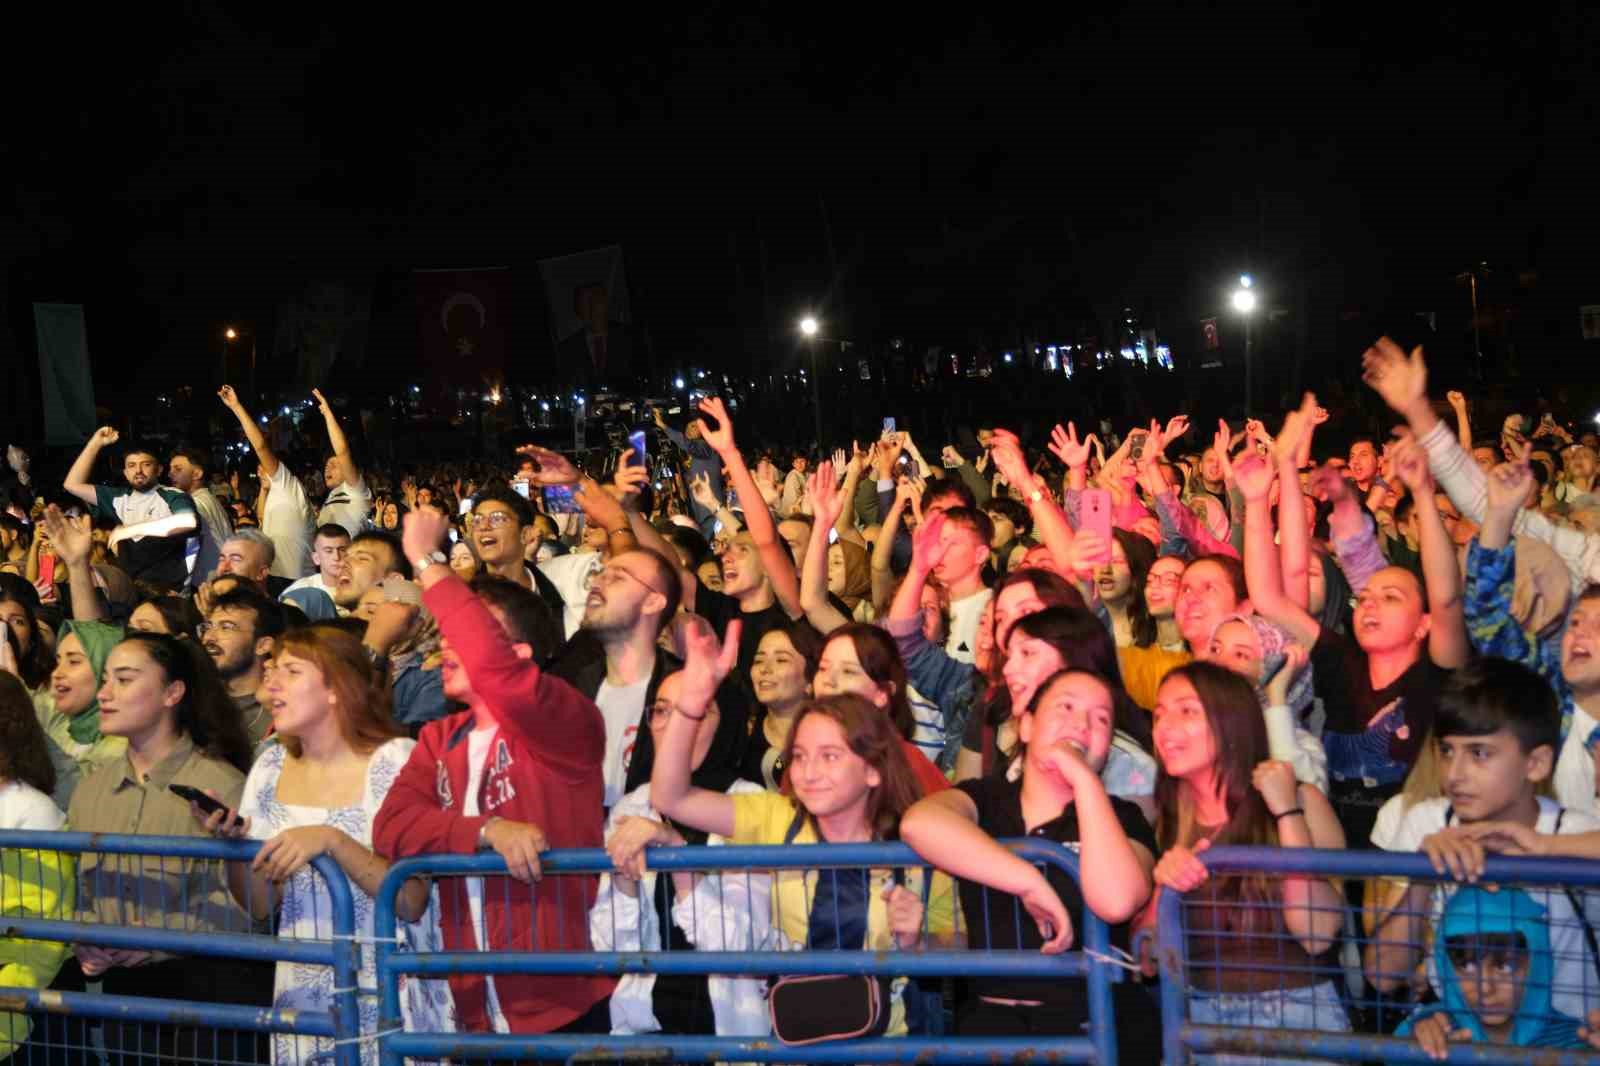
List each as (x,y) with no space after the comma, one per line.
(463,327)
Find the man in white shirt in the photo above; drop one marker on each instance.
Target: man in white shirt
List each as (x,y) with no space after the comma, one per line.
(314,594)
(349,501)
(286,516)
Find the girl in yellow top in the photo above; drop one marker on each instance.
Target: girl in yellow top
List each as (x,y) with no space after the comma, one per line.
(848,783)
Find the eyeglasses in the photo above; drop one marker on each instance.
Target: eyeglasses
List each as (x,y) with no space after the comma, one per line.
(1168,581)
(608,576)
(227,627)
(494,519)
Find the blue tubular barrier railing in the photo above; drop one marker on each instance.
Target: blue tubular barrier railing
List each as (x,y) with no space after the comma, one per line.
(1092,944)
(21,849)
(1569,878)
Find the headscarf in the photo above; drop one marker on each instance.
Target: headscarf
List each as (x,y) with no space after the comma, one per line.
(857,574)
(1272,641)
(97,638)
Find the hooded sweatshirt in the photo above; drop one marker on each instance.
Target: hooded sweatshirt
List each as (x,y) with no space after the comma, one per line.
(1473,910)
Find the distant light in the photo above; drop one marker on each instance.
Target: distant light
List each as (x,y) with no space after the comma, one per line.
(263,420)
(545,406)
(677,383)
(415,388)
(808,326)
(1007,357)
(231,334)
(1244,300)
(1245,281)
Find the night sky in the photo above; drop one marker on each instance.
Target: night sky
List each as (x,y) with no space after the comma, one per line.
(187,167)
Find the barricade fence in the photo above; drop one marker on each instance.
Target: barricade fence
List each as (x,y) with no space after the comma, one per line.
(184,973)
(1298,954)
(1242,973)
(738,915)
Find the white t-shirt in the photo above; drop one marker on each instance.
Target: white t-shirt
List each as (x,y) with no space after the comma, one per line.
(24,807)
(1574,987)
(964,625)
(1574,776)
(622,707)
(571,575)
(348,506)
(287,523)
(480,743)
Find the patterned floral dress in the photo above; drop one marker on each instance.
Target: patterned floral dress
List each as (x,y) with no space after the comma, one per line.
(306,911)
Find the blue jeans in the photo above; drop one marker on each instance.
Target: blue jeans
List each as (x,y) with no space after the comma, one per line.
(1315,1007)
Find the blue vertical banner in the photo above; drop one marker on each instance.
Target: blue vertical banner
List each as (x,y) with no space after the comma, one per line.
(66,384)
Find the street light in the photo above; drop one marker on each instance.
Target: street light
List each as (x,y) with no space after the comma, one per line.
(1244,302)
(229,335)
(808,329)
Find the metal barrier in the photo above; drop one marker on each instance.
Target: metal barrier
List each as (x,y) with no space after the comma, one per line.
(119,880)
(1223,950)
(1090,960)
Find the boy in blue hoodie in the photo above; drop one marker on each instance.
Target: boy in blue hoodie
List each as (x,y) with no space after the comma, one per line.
(1494,963)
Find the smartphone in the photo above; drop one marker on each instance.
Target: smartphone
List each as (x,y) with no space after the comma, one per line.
(888,426)
(466,505)
(1094,513)
(636,440)
(206,804)
(521,488)
(1136,444)
(558,499)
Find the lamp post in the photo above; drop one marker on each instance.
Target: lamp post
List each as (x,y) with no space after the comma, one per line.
(808,330)
(1244,302)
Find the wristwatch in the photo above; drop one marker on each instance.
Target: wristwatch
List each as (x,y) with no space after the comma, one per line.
(420,564)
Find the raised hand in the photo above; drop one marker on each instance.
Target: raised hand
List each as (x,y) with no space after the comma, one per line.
(1176,427)
(1410,463)
(889,450)
(1296,427)
(73,542)
(1275,781)
(549,467)
(229,398)
(1295,658)
(720,438)
(1009,460)
(1508,486)
(1222,445)
(104,437)
(1328,483)
(928,546)
(425,529)
(1180,868)
(706,660)
(840,460)
(1457,400)
(700,489)
(630,478)
(1254,476)
(322,402)
(1400,379)
(826,503)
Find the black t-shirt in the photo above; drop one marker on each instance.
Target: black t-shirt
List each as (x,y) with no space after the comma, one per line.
(998,923)
(719,610)
(1372,737)
(762,763)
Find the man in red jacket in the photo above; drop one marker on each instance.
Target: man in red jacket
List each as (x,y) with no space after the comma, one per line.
(518,771)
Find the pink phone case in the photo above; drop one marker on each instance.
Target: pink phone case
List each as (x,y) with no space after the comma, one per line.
(1095,513)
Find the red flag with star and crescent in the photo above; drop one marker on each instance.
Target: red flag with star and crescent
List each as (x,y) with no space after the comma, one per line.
(463,327)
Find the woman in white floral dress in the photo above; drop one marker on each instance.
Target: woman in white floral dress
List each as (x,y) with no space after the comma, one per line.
(316,793)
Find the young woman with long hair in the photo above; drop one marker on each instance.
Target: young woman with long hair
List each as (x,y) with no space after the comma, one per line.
(848,782)
(781,677)
(1255,944)
(17,612)
(313,793)
(862,660)
(162,697)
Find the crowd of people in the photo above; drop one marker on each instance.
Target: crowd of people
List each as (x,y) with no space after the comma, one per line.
(1141,647)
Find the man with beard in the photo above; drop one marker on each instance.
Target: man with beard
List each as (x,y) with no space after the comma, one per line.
(154,522)
(187,472)
(240,634)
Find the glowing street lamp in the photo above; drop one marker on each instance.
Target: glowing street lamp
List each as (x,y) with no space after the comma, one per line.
(1244,302)
(808,329)
(230,334)
(808,326)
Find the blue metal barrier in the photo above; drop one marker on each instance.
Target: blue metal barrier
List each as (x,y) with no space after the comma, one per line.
(393,963)
(1558,879)
(79,926)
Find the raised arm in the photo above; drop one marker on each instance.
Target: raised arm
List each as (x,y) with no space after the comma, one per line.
(907,493)
(845,523)
(1049,523)
(1262,571)
(774,552)
(554,719)
(826,505)
(671,792)
(252,432)
(73,543)
(1448,644)
(1458,404)
(1294,540)
(77,481)
(341,447)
